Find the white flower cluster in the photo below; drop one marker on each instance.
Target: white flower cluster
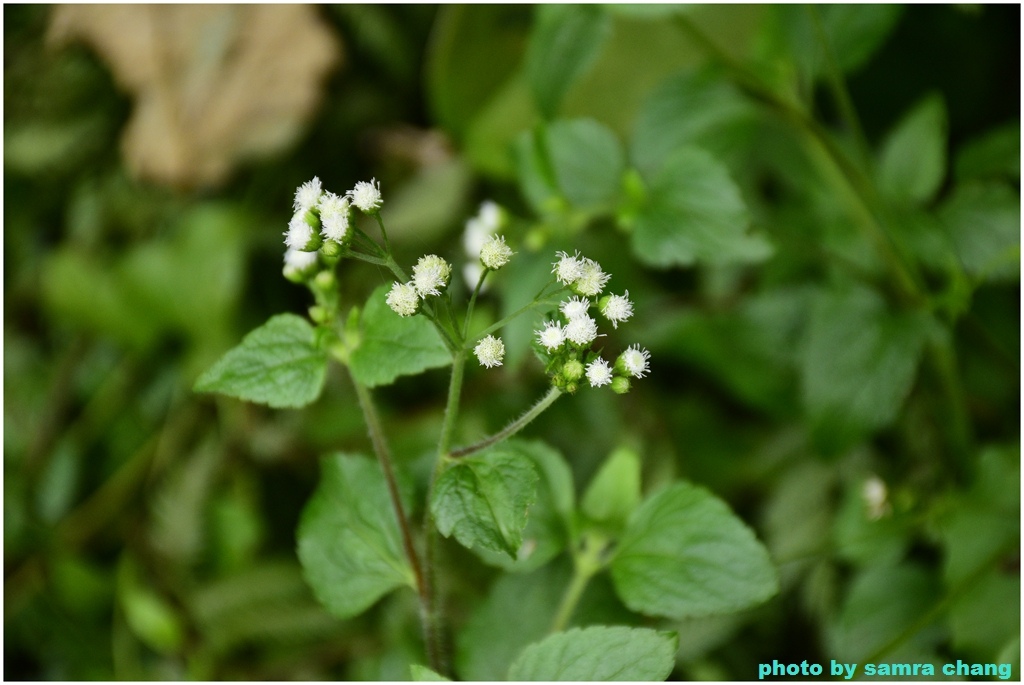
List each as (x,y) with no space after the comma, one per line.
(490,351)
(568,341)
(321,221)
(430,277)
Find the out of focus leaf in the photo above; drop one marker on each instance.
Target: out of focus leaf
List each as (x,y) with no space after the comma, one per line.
(483,500)
(882,602)
(278,364)
(564,42)
(214,84)
(598,654)
(684,553)
(983,220)
(995,154)
(614,492)
(694,212)
(489,641)
(149,616)
(391,346)
(860,390)
(425,675)
(912,162)
(587,161)
(349,542)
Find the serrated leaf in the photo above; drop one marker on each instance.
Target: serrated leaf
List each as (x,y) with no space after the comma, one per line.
(565,41)
(587,160)
(391,346)
(694,211)
(422,674)
(483,500)
(547,527)
(983,220)
(614,492)
(349,542)
(912,162)
(850,394)
(599,653)
(278,364)
(685,554)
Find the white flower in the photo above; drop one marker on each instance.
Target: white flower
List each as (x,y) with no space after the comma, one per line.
(599,373)
(567,269)
(552,336)
(495,253)
(403,299)
(430,275)
(876,497)
(334,216)
(300,233)
(575,307)
(617,308)
(306,196)
(581,331)
(490,351)
(480,227)
(592,279)
(635,361)
(366,196)
(297,261)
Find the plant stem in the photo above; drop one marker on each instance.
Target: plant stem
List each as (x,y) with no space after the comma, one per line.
(504,321)
(514,427)
(452,408)
(384,233)
(472,302)
(573,593)
(380,448)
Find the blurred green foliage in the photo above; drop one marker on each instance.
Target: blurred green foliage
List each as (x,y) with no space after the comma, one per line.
(849,317)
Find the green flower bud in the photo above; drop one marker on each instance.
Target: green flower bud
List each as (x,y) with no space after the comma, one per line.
(620,385)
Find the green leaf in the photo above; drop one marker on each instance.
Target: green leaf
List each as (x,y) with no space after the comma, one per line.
(483,499)
(711,106)
(587,160)
(422,674)
(995,154)
(598,654)
(349,541)
(278,364)
(686,554)
(882,602)
(547,527)
(614,492)
(694,211)
(391,346)
(850,394)
(490,642)
(565,41)
(472,51)
(912,161)
(983,220)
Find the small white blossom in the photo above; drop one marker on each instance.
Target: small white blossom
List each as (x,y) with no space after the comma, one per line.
(299,234)
(599,373)
(334,216)
(480,227)
(592,279)
(490,351)
(552,336)
(575,307)
(567,269)
(366,196)
(430,275)
(297,261)
(306,196)
(617,308)
(403,299)
(635,361)
(876,498)
(495,253)
(581,331)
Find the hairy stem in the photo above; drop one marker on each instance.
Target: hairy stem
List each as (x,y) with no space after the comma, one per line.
(513,428)
(380,448)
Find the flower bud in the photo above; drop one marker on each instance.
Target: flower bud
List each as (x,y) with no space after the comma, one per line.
(620,385)
(572,370)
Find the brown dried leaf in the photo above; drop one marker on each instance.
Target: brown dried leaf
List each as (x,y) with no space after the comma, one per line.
(213,84)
